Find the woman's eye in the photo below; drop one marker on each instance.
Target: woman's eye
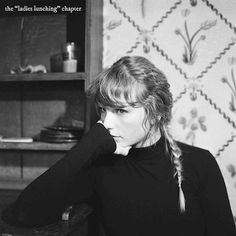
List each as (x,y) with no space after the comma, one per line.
(121,111)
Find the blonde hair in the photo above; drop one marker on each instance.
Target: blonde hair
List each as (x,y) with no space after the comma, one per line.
(135,73)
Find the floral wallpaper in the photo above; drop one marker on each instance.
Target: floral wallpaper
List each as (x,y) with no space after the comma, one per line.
(193,43)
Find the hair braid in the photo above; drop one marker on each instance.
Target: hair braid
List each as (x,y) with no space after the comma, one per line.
(175,154)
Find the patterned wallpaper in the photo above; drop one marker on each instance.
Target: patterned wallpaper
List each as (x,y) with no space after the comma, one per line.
(194,43)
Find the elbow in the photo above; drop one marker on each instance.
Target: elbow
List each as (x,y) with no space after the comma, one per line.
(23,217)
(12,216)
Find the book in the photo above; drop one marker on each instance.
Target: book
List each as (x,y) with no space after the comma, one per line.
(17,139)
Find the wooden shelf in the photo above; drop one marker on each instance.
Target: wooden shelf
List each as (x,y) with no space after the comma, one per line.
(43,77)
(36,146)
(14,183)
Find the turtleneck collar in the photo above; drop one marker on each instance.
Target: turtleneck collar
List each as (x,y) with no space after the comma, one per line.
(149,152)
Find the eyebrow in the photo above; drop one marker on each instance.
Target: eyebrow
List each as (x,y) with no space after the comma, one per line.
(120,105)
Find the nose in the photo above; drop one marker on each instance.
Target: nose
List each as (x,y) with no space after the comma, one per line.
(109,119)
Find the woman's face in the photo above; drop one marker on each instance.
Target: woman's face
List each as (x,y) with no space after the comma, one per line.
(127,125)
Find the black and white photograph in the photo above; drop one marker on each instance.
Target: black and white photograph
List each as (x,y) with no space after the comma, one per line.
(117,118)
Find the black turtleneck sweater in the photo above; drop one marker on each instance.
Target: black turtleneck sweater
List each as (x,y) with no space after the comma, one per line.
(136,195)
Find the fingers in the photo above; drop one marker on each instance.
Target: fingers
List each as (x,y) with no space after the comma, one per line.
(122,150)
(100,122)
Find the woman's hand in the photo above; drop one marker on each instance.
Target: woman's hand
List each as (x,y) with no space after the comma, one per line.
(121,149)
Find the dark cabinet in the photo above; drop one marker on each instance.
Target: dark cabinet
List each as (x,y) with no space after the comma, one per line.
(30,102)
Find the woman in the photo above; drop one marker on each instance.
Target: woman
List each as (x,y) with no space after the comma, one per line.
(129,168)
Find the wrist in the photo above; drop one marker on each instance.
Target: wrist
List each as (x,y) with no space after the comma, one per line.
(103,138)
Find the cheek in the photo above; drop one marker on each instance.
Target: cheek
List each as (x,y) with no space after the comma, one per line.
(134,133)
(136,126)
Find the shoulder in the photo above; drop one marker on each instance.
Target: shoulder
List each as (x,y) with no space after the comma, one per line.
(193,151)
(200,163)
(198,158)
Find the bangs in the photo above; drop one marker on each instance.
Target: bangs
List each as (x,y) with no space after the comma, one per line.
(118,92)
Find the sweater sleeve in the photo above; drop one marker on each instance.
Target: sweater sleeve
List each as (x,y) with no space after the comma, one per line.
(219,218)
(43,201)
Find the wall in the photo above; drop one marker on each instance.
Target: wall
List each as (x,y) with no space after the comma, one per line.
(193,42)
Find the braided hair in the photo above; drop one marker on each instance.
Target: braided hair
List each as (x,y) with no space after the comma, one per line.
(152,91)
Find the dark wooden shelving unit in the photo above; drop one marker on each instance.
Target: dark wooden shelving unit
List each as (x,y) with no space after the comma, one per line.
(30,102)
(42,77)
